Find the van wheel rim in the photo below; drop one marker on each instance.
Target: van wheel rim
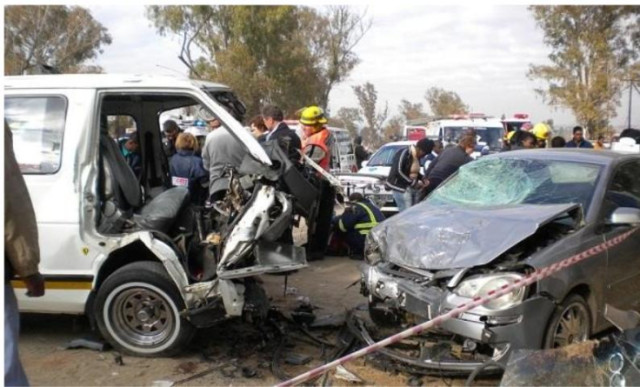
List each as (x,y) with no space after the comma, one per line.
(573,326)
(142,317)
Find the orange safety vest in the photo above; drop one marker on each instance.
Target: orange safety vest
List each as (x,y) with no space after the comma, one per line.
(318,148)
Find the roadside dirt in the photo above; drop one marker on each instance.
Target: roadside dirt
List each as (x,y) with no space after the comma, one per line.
(227,354)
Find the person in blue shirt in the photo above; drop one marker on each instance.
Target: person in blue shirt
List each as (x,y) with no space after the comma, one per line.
(353,226)
(186,168)
(578,140)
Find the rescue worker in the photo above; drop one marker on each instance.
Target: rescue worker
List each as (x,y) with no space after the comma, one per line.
(542,133)
(21,257)
(404,176)
(355,223)
(318,146)
(319,141)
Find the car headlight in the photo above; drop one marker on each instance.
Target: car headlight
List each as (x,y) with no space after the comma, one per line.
(479,286)
(371,250)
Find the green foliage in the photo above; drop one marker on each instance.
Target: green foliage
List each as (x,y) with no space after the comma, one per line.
(593,49)
(411,111)
(288,55)
(445,103)
(63,37)
(372,133)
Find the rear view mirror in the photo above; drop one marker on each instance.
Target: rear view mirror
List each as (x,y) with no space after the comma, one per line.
(364,163)
(625,216)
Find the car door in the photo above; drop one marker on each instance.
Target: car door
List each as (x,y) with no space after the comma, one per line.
(46,141)
(623,261)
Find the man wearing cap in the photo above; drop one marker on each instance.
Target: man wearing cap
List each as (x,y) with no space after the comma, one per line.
(404,177)
(318,146)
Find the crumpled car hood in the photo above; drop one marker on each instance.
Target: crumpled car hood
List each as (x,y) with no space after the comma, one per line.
(440,237)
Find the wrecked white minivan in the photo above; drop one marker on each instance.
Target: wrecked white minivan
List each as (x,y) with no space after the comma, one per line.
(130,252)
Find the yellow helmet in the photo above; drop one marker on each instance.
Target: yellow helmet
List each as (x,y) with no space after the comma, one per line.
(510,134)
(312,116)
(541,131)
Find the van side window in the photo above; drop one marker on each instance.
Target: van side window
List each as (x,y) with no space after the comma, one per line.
(37,125)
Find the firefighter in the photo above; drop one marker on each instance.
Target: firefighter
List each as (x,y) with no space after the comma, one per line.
(542,133)
(353,226)
(318,146)
(319,141)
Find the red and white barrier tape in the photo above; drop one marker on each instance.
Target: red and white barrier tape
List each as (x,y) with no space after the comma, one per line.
(492,295)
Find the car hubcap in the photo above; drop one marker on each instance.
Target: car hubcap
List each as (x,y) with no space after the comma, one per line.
(142,317)
(572,327)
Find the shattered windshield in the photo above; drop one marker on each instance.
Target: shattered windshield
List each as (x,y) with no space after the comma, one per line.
(508,181)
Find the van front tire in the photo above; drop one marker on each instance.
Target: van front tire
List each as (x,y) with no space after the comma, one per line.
(137,310)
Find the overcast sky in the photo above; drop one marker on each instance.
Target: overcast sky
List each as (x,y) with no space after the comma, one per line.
(481,52)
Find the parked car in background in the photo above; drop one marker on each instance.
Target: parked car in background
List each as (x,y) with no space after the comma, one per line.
(489,131)
(370,179)
(492,223)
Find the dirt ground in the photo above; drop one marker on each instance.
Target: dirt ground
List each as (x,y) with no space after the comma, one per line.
(227,354)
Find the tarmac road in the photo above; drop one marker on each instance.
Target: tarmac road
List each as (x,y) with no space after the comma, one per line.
(227,354)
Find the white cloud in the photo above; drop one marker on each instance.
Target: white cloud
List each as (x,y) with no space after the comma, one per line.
(482,52)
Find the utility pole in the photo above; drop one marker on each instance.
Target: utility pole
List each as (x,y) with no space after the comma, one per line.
(632,86)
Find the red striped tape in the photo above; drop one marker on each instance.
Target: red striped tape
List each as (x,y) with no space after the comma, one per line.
(492,295)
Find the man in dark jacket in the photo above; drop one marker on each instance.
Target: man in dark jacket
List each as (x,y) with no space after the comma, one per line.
(448,163)
(578,140)
(355,223)
(171,131)
(361,153)
(404,176)
(278,131)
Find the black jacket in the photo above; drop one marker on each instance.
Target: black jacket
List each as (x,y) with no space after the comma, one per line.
(399,179)
(287,139)
(447,164)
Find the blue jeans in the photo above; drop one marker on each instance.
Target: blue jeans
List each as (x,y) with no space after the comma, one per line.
(13,372)
(404,199)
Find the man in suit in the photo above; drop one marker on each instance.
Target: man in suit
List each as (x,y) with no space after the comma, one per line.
(278,131)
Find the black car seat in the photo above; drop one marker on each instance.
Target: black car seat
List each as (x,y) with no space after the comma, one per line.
(123,206)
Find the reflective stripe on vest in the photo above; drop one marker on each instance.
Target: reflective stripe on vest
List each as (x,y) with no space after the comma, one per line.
(364,228)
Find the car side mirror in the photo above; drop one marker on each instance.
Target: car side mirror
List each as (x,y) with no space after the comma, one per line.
(364,163)
(625,216)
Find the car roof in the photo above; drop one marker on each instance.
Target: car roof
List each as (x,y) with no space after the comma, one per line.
(102,81)
(603,157)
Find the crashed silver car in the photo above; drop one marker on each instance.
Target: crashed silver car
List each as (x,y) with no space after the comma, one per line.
(496,220)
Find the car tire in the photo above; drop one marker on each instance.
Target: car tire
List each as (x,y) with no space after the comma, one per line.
(570,323)
(137,309)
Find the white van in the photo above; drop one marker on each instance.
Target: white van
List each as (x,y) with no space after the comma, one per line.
(132,253)
(488,129)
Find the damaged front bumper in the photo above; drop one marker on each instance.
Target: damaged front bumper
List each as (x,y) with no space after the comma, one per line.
(482,334)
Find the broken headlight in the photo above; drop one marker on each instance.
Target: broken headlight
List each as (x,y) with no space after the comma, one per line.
(479,286)
(372,250)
